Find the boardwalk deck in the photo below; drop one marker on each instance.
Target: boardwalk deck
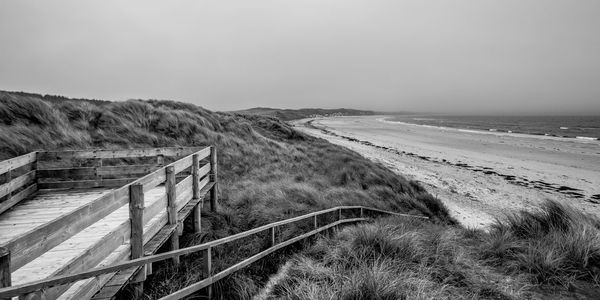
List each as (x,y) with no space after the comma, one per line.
(106,239)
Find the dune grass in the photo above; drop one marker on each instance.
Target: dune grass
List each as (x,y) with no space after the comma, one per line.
(399,258)
(268,171)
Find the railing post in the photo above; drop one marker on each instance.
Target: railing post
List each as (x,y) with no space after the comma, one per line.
(315,222)
(207,268)
(160,160)
(172,209)
(339,214)
(213,178)
(272,231)
(4,267)
(361,212)
(196,217)
(136,216)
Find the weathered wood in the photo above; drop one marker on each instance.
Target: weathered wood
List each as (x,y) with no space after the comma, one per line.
(207,268)
(12,201)
(160,160)
(214,178)
(155,208)
(17,162)
(4,268)
(16,183)
(58,280)
(128,170)
(172,208)
(85,184)
(195,176)
(272,231)
(315,222)
(93,255)
(187,209)
(136,211)
(125,153)
(361,212)
(31,287)
(30,245)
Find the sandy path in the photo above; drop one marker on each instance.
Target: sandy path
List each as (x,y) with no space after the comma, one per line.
(479,176)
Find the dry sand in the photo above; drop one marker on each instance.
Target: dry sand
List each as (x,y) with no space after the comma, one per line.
(478,175)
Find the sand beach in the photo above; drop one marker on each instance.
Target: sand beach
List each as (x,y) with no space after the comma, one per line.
(478,175)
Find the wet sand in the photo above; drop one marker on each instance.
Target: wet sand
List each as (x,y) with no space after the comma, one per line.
(478,175)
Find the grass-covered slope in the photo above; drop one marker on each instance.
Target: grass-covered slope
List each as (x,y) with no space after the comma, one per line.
(550,253)
(268,171)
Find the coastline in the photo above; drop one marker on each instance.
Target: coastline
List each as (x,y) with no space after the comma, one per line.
(497,132)
(480,175)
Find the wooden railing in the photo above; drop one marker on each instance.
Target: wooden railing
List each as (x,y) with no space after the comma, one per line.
(20,179)
(32,244)
(359,214)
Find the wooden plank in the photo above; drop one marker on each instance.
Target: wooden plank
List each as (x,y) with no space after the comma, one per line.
(182,164)
(67,172)
(23,180)
(121,153)
(89,258)
(85,184)
(159,239)
(155,208)
(128,170)
(204,170)
(17,162)
(12,201)
(172,208)
(39,240)
(86,289)
(187,209)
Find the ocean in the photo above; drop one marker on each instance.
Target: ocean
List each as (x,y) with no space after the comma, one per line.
(582,127)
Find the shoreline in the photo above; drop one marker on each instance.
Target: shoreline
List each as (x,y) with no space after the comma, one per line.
(476,189)
(583,139)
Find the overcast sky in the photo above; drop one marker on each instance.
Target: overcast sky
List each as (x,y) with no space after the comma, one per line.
(475,56)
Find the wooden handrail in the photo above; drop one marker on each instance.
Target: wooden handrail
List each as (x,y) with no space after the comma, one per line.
(65,279)
(118,153)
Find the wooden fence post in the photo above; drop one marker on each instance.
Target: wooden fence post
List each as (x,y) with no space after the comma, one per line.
(272,231)
(172,209)
(160,160)
(4,267)
(136,216)
(213,178)
(315,221)
(361,212)
(196,216)
(207,268)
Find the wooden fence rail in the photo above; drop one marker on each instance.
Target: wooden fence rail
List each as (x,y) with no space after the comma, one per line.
(206,247)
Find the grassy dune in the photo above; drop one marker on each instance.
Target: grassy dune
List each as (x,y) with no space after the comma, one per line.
(268,171)
(550,253)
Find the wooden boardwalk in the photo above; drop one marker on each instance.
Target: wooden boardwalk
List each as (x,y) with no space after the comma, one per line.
(84,224)
(67,212)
